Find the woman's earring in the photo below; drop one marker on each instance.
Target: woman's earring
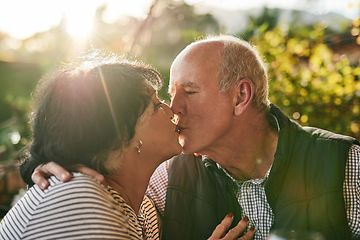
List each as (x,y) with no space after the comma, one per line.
(138,147)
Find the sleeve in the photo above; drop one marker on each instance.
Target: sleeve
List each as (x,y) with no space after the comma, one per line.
(352,190)
(26,170)
(157,186)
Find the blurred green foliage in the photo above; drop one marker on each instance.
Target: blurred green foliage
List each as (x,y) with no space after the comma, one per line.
(308,82)
(17,82)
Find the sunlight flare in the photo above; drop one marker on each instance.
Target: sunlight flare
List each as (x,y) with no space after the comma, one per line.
(79,23)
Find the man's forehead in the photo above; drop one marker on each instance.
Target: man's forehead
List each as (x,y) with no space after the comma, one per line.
(202,51)
(206,47)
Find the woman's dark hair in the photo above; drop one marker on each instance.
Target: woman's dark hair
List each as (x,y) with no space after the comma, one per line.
(84,112)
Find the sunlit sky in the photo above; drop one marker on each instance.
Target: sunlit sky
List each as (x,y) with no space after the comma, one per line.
(22,18)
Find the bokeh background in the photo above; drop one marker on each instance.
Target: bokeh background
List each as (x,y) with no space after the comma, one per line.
(312,48)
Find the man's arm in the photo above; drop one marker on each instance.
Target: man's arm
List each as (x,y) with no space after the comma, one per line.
(352,190)
(157,186)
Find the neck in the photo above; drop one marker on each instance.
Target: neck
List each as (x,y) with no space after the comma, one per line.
(249,153)
(131,181)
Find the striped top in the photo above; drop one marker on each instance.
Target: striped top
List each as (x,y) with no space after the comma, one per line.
(79,209)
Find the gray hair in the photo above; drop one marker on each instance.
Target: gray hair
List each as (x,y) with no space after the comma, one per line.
(240,60)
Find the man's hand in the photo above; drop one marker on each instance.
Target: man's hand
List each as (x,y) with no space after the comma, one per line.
(43,172)
(221,229)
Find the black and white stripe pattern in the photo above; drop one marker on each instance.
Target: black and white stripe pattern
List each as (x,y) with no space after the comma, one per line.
(151,223)
(251,196)
(145,226)
(79,209)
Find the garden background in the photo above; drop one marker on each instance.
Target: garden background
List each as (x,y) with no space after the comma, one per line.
(313,60)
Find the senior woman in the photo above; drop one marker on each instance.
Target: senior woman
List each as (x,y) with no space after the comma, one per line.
(103,114)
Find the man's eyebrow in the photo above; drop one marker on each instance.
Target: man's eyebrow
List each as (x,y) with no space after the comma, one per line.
(189,84)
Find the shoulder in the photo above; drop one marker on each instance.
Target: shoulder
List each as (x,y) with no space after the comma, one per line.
(80,192)
(79,183)
(324,134)
(183,161)
(353,164)
(355,149)
(81,188)
(62,194)
(186,166)
(81,206)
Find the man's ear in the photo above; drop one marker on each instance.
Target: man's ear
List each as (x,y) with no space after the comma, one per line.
(244,92)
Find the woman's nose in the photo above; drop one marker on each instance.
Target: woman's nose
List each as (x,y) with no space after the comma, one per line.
(168,111)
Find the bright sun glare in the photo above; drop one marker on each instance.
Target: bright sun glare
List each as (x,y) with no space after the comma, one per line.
(40,15)
(79,23)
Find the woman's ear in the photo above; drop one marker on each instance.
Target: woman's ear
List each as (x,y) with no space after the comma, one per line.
(244,92)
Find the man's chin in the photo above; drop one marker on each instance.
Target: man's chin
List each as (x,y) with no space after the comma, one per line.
(186,147)
(187,150)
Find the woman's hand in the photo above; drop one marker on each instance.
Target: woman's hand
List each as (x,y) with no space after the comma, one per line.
(43,172)
(221,229)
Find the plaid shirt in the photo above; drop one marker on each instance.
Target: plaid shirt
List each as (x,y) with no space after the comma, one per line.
(252,198)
